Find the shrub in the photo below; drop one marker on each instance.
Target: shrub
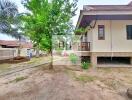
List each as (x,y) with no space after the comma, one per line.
(85,65)
(73,58)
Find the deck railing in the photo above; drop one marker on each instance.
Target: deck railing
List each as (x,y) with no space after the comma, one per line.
(84,46)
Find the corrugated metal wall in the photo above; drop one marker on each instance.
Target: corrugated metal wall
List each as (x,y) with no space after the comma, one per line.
(7,53)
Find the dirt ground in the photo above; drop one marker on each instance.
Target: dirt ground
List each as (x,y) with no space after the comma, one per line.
(8,66)
(65,84)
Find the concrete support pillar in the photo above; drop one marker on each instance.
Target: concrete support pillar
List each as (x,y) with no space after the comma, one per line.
(131,60)
(94,60)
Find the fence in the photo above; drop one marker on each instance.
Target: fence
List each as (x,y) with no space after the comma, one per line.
(7,53)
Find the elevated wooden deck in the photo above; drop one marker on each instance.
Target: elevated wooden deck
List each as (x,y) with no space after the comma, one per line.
(83,53)
(84,49)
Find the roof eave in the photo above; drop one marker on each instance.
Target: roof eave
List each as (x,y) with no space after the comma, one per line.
(79,19)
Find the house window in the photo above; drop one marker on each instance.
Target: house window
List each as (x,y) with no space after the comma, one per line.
(101,32)
(129,32)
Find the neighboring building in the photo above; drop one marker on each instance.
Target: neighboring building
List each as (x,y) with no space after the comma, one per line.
(9,44)
(9,49)
(108,40)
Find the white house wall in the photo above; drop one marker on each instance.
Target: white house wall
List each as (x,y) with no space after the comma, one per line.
(115,37)
(90,39)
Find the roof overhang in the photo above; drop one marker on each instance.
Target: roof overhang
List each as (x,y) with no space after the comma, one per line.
(86,17)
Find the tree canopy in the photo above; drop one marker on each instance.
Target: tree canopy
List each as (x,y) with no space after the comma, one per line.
(8,18)
(47,18)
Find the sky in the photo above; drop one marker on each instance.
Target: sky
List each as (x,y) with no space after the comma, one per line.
(80,6)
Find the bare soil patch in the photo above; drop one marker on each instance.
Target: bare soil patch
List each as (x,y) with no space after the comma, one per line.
(65,84)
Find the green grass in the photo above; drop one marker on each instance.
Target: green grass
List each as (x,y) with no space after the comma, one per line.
(70,73)
(82,78)
(7,66)
(34,60)
(18,79)
(37,60)
(85,78)
(4,66)
(107,70)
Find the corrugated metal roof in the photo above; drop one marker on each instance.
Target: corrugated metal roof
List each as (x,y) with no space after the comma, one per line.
(108,7)
(16,44)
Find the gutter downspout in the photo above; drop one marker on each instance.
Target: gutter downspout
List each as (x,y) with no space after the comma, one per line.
(111,44)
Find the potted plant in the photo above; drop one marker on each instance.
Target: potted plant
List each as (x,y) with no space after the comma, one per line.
(80,31)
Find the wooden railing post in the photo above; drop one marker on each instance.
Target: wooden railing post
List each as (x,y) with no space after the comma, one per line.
(85,46)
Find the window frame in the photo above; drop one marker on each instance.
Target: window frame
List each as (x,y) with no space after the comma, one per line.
(101,26)
(127,34)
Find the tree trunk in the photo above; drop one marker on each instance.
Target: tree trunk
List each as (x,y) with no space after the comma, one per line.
(37,52)
(51,64)
(19,48)
(19,51)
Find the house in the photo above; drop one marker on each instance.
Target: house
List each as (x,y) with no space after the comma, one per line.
(9,49)
(108,37)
